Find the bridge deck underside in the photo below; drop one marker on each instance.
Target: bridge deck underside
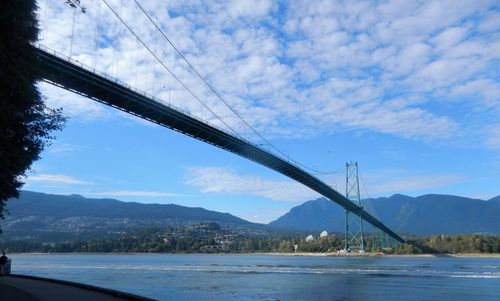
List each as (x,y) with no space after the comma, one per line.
(62,73)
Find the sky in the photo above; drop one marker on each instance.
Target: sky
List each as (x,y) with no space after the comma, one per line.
(408,89)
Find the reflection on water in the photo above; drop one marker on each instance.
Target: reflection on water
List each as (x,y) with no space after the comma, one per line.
(268,277)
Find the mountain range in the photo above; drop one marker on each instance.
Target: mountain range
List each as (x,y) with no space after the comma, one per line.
(68,217)
(43,216)
(423,215)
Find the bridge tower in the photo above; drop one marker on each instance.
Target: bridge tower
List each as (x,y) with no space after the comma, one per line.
(354,237)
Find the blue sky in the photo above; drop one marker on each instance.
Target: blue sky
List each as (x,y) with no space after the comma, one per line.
(409,90)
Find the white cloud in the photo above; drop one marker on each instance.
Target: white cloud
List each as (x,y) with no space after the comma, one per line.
(318,68)
(264,216)
(485,196)
(225,181)
(493,140)
(258,8)
(55,179)
(407,184)
(218,180)
(486,91)
(63,148)
(491,22)
(388,182)
(137,193)
(72,104)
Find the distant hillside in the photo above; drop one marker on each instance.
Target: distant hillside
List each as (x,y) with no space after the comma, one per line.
(317,215)
(39,215)
(495,199)
(423,215)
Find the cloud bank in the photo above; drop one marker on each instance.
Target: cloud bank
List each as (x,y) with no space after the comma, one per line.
(302,68)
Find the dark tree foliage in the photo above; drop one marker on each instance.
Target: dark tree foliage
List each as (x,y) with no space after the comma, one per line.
(193,238)
(444,244)
(211,238)
(26,122)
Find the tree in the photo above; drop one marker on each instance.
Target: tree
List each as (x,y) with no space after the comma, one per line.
(26,123)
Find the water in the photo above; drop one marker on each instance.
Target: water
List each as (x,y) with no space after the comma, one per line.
(270,277)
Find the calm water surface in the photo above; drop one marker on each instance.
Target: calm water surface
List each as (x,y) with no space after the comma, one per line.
(268,277)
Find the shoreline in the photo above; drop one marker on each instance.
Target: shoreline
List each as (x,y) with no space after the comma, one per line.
(307,254)
(471,255)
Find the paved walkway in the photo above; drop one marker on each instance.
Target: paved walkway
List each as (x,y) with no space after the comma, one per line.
(26,288)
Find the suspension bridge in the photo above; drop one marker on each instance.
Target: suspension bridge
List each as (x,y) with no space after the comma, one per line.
(67,73)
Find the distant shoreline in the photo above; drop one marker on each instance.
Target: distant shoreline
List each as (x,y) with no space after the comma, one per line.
(308,254)
(486,255)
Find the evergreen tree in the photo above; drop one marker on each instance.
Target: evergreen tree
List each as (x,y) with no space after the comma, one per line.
(26,122)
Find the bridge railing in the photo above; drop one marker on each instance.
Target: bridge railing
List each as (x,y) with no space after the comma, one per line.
(121,83)
(150,96)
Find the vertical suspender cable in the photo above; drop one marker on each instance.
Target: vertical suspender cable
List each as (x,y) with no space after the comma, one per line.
(219,96)
(96,34)
(183,84)
(45,21)
(72,33)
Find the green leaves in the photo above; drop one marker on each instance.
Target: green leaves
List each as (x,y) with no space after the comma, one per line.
(26,123)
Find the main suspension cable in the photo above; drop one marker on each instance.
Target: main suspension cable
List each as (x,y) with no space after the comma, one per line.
(217,94)
(168,69)
(370,204)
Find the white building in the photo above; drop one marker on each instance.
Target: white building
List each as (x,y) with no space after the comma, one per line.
(309,238)
(323,234)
